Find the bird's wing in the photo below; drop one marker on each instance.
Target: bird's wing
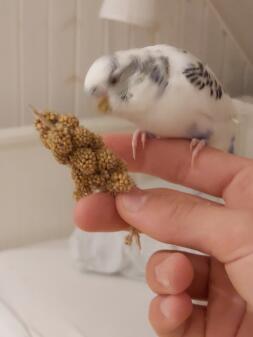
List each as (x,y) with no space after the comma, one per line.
(203,78)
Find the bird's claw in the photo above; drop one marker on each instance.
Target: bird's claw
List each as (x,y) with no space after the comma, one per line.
(143,139)
(138,134)
(196,146)
(133,235)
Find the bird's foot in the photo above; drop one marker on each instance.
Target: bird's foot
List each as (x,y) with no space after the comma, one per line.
(138,135)
(133,235)
(196,146)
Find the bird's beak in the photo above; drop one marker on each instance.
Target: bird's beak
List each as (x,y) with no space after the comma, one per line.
(101,96)
(104,104)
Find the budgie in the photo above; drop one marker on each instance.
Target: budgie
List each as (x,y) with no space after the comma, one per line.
(166,92)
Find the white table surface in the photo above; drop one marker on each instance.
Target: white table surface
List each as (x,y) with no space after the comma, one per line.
(43,295)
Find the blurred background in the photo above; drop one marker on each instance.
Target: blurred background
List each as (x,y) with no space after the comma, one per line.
(50,283)
(48,45)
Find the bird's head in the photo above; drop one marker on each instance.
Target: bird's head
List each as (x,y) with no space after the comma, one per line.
(127,83)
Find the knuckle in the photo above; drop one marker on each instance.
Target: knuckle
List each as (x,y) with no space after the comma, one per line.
(241,185)
(239,241)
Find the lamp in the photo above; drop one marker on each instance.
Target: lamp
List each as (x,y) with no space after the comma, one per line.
(142,13)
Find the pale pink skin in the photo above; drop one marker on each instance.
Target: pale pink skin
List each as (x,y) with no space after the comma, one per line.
(223,232)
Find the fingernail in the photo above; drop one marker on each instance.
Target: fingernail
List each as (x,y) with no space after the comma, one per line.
(133,201)
(165,307)
(162,273)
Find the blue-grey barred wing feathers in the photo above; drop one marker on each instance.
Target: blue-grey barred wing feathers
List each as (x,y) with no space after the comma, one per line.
(202,78)
(122,74)
(158,70)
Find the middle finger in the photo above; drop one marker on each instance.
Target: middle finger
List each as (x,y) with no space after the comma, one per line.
(171,273)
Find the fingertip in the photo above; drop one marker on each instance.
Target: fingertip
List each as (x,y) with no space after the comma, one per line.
(169,272)
(82,213)
(177,308)
(181,272)
(169,313)
(97,212)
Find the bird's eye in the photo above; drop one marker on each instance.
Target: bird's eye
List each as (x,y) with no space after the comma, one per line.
(155,74)
(113,80)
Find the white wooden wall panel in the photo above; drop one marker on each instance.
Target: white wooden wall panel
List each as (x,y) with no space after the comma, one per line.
(170,15)
(62,30)
(237,16)
(233,69)
(248,80)
(9,58)
(139,37)
(90,46)
(48,45)
(193,17)
(117,37)
(213,42)
(33,54)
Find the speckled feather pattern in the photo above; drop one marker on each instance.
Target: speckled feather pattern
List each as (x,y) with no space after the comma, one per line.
(199,76)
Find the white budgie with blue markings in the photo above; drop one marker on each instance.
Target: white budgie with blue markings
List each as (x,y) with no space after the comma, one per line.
(166,92)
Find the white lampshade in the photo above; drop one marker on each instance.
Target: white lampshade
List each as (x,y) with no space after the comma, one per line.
(136,12)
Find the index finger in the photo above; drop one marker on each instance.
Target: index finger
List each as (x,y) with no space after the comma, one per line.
(170,159)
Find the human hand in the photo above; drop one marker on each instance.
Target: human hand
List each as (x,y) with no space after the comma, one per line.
(224,232)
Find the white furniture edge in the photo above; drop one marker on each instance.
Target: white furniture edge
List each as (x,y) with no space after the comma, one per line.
(28,134)
(35,192)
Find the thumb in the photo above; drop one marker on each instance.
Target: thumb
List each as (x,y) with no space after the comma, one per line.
(185,220)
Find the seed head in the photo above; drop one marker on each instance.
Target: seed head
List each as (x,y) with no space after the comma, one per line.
(70,121)
(82,183)
(107,160)
(84,159)
(82,137)
(120,182)
(59,141)
(93,166)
